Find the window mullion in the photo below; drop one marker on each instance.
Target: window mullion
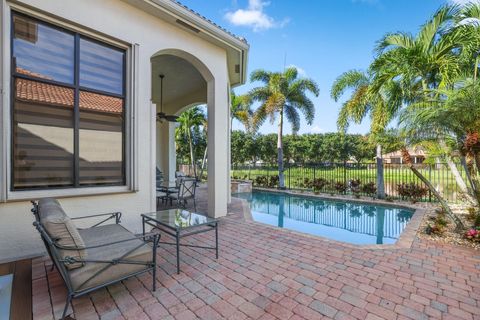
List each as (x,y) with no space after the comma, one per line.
(76,114)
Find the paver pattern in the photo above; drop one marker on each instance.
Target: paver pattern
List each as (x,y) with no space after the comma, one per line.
(269,273)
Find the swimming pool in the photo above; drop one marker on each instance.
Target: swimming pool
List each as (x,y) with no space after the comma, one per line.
(338,220)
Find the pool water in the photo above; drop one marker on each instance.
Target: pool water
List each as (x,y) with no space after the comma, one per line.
(338,220)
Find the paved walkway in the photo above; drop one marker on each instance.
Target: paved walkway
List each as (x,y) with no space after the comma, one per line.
(269,273)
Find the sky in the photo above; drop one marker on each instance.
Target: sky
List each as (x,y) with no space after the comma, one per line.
(322,38)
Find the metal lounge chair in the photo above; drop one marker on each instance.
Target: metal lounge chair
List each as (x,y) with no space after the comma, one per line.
(95,257)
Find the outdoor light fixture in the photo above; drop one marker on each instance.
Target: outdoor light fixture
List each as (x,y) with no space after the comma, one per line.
(161,116)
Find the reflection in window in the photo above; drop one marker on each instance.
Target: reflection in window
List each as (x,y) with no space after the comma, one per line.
(101,67)
(101,139)
(42,135)
(50,147)
(42,51)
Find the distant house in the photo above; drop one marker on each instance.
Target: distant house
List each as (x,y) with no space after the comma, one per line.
(417,154)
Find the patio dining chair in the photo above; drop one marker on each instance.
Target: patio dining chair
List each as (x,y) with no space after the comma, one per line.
(186,191)
(161,196)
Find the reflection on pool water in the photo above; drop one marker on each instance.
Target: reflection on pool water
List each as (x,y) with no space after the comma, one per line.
(338,220)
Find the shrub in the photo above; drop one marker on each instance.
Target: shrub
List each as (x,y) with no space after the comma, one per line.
(355,187)
(369,188)
(316,185)
(266,181)
(307,183)
(319,184)
(439,223)
(474,216)
(473,234)
(432,229)
(340,186)
(261,181)
(411,191)
(273,181)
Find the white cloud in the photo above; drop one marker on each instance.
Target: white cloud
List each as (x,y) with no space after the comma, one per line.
(464,2)
(317,129)
(254,16)
(301,71)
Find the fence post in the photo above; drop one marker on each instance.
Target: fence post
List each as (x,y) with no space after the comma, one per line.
(345,175)
(380,174)
(429,179)
(289,183)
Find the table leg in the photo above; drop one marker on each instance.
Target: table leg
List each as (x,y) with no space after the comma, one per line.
(216,239)
(177,236)
(143,227)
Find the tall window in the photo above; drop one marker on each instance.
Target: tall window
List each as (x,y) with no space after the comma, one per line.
(68,114)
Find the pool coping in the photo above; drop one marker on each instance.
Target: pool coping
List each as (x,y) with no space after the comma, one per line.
(405,241)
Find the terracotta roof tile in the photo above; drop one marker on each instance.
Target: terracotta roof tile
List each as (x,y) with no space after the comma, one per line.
(39,92)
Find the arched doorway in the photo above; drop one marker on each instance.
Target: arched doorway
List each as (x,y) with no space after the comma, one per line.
(187,81)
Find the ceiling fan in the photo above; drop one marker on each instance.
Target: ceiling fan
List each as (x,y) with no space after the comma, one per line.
(161,116)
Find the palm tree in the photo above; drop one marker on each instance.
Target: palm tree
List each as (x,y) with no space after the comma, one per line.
(453,114)
(282,96)
(190,119)
(420,64)
(468,26)
(382,105)
(240,110)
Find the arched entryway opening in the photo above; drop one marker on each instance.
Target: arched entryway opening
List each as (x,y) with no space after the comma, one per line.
(188,82)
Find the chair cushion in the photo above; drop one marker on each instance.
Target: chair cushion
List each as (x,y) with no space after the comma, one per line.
(135,250)
(161,194)
(49,207)
(62,230)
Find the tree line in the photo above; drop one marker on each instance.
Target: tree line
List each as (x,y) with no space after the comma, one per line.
(251,148)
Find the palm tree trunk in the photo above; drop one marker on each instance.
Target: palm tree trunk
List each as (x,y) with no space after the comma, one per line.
(281,178)
(463,161)
(456,174)
(203,162)
(192,156)
(380,174)
(407,160)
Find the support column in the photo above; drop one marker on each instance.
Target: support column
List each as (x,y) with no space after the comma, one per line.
(229,166)
(166,153)
(218,119)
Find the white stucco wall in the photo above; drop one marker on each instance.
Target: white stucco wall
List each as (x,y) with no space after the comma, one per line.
(121,21)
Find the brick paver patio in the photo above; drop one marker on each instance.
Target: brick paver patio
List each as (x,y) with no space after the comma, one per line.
(269,273)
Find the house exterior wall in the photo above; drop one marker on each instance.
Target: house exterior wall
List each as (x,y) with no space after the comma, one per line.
(132,27)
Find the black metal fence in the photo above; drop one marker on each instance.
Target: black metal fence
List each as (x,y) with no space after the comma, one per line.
(352,178)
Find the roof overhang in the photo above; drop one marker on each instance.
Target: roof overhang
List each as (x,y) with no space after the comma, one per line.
(190,21)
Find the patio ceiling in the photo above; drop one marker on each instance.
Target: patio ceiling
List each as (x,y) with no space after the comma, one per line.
(183,83)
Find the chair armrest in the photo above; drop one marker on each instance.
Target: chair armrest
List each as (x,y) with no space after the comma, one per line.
(113,215)
(145,238)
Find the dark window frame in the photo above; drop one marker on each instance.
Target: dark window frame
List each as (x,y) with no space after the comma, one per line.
(76,110)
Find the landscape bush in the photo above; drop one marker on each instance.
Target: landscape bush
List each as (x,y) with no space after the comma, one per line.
(369,189)
(411,191)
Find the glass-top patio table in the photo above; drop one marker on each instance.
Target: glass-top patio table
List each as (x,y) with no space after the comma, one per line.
(180,223)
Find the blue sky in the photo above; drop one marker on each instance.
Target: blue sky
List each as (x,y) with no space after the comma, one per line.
(322,37)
